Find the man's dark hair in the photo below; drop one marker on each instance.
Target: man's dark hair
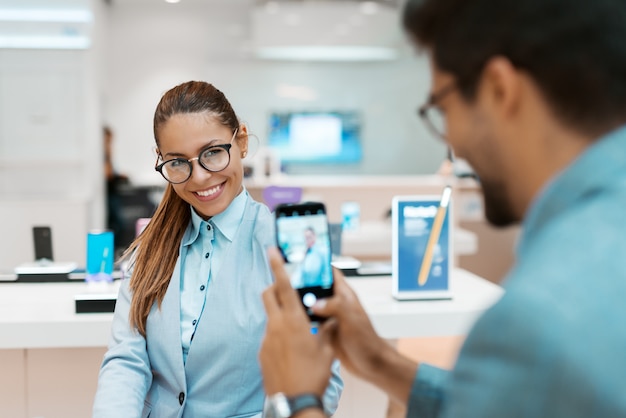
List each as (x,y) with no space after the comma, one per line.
(575,50)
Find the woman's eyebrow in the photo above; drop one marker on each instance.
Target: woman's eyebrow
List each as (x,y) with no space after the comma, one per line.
(174,154)
(211,143)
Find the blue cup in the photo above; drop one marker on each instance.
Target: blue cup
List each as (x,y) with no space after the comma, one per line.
(100,249)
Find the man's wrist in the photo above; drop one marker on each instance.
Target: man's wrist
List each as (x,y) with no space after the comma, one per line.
(310,413)
(303,405)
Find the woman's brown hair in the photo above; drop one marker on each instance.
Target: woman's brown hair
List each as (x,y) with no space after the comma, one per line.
(155,251)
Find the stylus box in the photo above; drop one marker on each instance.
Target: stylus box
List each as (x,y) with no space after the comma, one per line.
(422,246)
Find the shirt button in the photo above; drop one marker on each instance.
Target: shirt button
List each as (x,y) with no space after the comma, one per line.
(181,397)
(206,255)
(202,287)
(194,322)
(208,227)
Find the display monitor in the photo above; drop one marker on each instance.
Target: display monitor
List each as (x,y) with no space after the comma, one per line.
(316,137)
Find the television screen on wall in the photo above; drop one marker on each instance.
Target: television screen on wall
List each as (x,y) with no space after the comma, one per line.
(316,137)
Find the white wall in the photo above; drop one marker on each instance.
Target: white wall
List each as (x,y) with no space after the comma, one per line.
(152,50)
(53,104)
(51,170)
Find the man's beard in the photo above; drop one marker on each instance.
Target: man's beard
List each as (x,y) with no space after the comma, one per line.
(498,209)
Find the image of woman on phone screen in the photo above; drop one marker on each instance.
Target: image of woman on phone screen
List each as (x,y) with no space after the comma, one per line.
(189,317)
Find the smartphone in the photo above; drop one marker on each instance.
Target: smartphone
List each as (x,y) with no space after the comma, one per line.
(303,238)
(42,237)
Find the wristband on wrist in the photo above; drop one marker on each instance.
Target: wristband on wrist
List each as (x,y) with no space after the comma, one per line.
(282,406)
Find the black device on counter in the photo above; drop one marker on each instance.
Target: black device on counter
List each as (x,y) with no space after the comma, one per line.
(303,238)
(42,238)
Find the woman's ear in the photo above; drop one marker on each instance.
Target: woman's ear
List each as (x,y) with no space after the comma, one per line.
(242,140)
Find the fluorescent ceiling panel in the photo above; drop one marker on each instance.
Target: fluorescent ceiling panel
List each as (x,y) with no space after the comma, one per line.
(44,42)
(34,25)
(45,15)
(325,31)
(327,53)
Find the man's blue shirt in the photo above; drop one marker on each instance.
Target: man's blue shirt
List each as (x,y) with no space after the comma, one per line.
(554,345)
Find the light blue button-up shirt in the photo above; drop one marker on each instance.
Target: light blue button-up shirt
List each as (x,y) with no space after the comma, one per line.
(207,244)
(217,373)
(554,345)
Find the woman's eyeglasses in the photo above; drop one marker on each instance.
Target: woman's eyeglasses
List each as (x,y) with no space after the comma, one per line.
(214,158)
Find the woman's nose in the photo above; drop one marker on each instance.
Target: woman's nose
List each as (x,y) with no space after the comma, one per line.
(198,172)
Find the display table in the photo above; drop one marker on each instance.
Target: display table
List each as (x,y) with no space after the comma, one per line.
(394,319)
(53,354)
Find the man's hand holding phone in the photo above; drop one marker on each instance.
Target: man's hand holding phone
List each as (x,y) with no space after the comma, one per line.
(293,360)
(303,238)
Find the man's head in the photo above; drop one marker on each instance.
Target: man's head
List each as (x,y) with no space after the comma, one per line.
(520,78)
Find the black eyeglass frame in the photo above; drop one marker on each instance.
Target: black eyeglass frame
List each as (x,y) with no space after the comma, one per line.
(225,147)
(432,103)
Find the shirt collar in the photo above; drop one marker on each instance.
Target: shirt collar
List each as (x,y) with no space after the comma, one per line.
(226,222)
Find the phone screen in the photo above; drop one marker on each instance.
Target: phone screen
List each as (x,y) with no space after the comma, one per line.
(303,238)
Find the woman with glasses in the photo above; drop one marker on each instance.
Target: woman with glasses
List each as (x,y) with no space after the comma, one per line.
(189,319)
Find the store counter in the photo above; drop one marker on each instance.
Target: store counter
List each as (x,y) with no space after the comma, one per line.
(42,315)
(50,355)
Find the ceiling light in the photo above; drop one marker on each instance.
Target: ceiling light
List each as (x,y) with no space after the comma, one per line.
(326,31)
(45,28)
(44,42)
(45,15)
(327,53)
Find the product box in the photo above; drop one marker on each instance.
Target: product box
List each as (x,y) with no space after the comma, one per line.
(422,246)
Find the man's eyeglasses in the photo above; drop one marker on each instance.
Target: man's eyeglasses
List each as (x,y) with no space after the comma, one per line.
(213,158)
(431,114)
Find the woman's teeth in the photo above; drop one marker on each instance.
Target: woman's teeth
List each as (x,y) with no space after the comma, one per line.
(209,192)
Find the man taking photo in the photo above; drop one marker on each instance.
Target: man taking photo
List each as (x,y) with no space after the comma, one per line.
(533,95)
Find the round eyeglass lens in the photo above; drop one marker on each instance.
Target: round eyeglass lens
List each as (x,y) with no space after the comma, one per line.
(177,171)
(215,158)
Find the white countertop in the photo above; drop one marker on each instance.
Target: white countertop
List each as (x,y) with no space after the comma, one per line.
(471,296)
(41,315)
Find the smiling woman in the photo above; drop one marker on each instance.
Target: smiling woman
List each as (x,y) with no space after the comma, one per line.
(201,257)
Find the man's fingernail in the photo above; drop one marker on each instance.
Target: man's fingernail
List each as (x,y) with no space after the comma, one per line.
(320,304)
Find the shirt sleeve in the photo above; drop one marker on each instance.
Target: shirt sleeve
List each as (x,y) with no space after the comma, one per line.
(125,374)
(428,392)
(333,390)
